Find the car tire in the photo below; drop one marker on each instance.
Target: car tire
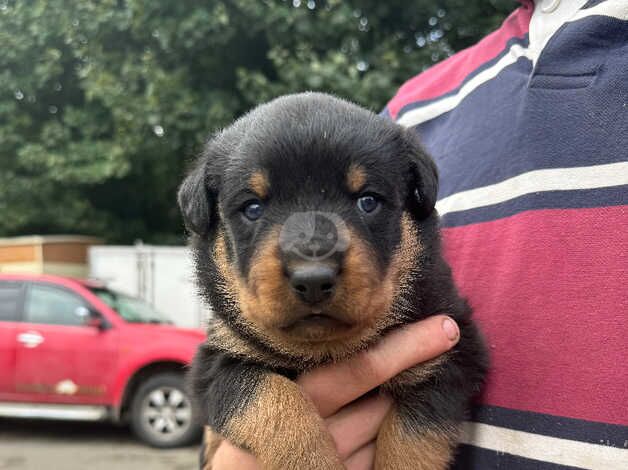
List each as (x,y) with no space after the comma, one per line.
(161,412)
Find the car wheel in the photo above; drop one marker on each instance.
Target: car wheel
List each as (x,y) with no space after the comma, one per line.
(161,412)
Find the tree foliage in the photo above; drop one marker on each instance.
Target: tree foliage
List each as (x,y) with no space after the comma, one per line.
(103,103)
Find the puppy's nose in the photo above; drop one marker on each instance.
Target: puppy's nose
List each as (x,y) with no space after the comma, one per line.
(313,282)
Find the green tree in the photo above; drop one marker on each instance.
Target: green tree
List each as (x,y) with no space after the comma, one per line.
(103,103)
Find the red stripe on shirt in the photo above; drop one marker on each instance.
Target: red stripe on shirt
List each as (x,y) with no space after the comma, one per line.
(449,74)
(548,289)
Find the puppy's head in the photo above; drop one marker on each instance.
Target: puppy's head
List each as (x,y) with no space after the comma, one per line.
(308,216)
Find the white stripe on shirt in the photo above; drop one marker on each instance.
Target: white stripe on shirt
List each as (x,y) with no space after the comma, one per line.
(425,113)
(552,179)
(545,448)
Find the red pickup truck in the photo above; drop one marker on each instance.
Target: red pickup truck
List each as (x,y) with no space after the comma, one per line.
(73,349)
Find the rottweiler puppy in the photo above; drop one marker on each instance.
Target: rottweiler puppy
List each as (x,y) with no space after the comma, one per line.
(314,233)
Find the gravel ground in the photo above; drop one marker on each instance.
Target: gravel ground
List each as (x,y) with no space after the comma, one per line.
(60,445)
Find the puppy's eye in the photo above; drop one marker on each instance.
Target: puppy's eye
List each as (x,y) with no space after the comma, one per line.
(253,210)
(368,203)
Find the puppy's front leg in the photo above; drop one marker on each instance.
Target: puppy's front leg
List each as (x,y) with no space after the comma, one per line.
(404,445)
(422,430)
(281,426)
(266,414)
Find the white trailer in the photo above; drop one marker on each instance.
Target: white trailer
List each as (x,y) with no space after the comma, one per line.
(160,275)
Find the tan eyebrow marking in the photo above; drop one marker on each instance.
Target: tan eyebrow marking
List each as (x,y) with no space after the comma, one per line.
(259,184)
(356,177)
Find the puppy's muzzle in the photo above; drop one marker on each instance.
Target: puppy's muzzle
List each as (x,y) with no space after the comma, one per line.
(312,247)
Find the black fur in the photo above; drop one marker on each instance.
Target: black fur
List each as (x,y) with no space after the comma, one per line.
(224,382)
(305,145)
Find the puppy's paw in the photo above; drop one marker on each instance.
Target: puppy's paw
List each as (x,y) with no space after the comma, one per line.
(282,428)
(403,446)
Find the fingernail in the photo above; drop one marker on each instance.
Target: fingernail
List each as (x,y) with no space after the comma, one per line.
(451,329)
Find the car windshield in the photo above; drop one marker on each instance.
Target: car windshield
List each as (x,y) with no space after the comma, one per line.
(132,309)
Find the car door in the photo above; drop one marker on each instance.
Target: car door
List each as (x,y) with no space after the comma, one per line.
(11,299)
(59,357)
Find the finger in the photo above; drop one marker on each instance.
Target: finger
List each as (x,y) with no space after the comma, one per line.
(357,424)
(230,457)
(333,386)
(363,459)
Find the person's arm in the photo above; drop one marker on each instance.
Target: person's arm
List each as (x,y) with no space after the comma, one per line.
(335,388)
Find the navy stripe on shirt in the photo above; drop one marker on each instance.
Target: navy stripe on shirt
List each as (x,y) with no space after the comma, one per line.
(592,3)
(476,458)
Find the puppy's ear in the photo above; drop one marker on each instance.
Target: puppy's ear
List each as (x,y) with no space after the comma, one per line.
(423,188)
(198,194)
(194,201)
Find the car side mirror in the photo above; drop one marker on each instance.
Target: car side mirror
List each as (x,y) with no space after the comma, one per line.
(95,321)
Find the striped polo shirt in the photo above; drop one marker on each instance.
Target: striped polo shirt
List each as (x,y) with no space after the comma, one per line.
(529,129)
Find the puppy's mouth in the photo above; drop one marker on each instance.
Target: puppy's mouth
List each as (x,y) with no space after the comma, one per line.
(317,326)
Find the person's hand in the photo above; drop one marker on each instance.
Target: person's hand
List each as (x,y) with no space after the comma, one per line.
(336,390)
